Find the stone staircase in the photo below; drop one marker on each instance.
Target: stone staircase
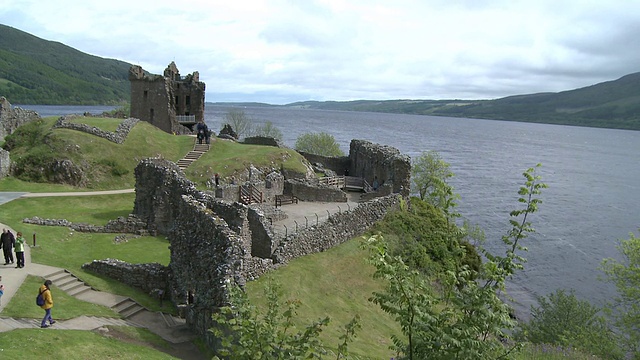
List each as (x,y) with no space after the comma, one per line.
(69,283)
(124,306)
(193,155)
(128,308)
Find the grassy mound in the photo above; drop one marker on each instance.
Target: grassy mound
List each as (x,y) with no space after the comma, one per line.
(35,147)
(335,283)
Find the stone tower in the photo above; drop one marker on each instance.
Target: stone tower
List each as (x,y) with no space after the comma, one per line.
(170,102)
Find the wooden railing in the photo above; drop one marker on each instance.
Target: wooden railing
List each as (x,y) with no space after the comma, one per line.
(337,181)
(250,194)
(344,182)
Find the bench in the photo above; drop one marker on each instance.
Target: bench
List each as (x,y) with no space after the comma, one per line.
(285,199)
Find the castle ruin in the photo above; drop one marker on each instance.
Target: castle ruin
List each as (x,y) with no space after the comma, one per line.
(170,102)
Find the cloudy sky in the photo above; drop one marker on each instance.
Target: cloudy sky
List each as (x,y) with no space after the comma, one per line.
(281,51)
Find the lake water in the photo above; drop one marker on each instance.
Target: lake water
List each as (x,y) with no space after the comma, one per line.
(593,199)
(593,176)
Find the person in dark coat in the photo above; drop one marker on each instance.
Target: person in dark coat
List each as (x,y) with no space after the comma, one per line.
(201,131)
(8,241)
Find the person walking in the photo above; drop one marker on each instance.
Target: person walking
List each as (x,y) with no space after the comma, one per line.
(48,304)
(19,247)
(7,246)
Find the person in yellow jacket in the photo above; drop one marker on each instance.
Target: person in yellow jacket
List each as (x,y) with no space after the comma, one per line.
(19,248)
(48,304)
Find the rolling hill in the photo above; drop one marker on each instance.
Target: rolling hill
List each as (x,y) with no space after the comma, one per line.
(37,71)
(612,104)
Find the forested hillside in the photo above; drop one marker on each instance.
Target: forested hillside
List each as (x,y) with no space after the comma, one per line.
(611,104)
(37,71)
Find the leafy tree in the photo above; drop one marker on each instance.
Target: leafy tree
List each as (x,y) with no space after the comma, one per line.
(562,319)
(421,235)
(625,275)
(429,174)
(320,143)
(240,122)
(465,318)
(268,130)
(247,335)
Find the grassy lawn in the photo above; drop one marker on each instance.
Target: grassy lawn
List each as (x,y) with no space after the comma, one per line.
(81,345)
(335,283)
(60,247)
(229,158)
(64,306)
(106,124)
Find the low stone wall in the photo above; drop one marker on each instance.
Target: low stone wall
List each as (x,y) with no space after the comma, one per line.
(339,164)
(311,192)
(151,278)
(263,140)
(118,137)
(128,225)
(336,230)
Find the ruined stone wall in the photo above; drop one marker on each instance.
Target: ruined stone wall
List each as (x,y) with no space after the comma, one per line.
(118,137)
(370,160)
(263,140)
(128,225)
(150,99)
(157,99)
(160,185)
(338,164)
(5,163)
(314,192)
(150,278)
(189,96)
(214,243)
(206,256)
(336,230)
(12,118)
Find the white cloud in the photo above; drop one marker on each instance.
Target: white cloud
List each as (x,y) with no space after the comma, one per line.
(342,50)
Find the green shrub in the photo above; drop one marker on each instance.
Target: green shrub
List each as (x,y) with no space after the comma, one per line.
(425,239)
(563,320)
(318,143)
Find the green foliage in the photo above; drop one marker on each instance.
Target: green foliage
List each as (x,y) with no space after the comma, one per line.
(268,130)
(240,122)
(625,275)
(321,143)
(422,236)
(38,71)
(35,148)
(465,319)
(246,334)
(561,319)
(429,174)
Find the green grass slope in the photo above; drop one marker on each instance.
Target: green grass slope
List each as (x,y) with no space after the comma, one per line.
(335,283)
(110,166)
